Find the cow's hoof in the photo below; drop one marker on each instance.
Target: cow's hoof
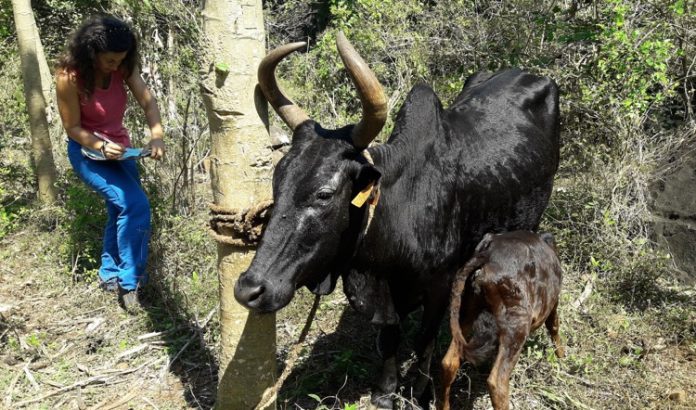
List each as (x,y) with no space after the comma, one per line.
(427,396)
(381,402)
(415,405)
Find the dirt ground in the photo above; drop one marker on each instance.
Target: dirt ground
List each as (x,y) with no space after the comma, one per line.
(65,344)
(69,345)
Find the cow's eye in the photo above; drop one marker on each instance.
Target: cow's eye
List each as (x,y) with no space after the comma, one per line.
(325,194)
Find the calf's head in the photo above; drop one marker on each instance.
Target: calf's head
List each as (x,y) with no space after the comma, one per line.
(314,227)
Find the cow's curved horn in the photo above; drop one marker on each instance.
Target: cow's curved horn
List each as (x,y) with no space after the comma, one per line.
(374,102)
(286,109)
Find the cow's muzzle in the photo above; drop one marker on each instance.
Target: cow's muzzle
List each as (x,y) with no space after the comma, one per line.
(258,296)
(248,294)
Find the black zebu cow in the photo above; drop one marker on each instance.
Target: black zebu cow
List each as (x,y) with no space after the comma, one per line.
(446,177)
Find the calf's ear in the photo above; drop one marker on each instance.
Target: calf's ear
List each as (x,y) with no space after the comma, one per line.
(548,238)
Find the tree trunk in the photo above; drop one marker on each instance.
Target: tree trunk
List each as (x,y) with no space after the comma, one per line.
(42,155)
(241,177)
(46,77)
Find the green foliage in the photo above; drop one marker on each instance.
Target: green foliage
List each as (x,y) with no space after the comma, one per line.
(14,120)
(12,209)
(6,19)
(222,67)
(84,224)
(385,35)
(632,64)
(321,406)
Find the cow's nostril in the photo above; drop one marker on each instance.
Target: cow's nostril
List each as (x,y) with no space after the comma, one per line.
(255,293)
(248,293)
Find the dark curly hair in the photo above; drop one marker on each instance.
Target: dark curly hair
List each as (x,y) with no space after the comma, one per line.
(97,35)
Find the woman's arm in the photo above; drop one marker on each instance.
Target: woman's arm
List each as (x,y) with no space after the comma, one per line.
(149,104)
(69,109)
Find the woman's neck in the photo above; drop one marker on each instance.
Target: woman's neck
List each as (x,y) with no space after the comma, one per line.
(102,80)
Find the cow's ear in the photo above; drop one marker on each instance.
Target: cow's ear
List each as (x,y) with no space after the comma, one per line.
(367,174)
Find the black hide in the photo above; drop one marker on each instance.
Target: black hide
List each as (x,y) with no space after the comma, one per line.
(447,177)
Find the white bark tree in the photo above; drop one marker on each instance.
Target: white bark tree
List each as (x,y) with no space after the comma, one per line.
(234,44)
(32,60)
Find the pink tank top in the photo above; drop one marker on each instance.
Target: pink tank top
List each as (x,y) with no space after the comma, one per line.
(103,111)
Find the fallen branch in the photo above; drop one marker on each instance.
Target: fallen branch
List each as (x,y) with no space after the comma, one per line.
(203,325)
(155,334)
(585,293)
(53,383)
(146,400)
(100,379)
(94,325)
(104,406)
(10,390)
(31,379)
(132,351)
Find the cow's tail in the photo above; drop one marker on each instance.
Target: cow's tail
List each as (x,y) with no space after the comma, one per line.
(482,344)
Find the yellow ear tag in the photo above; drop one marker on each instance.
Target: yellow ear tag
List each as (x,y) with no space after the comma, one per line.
(362,196)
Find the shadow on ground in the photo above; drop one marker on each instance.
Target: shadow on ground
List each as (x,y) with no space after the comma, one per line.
(191,358)
(338,369)
(343,364)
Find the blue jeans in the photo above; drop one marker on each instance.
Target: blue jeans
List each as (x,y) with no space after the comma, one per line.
(127,232)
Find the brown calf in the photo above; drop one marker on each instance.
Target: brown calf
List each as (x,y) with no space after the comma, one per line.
(513,293)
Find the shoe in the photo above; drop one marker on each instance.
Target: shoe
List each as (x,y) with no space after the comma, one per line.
(109,285)
(129,300)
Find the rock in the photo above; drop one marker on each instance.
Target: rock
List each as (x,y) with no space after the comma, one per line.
(10,360)
(678,396)
(673,208)
(671,196)
(5,308)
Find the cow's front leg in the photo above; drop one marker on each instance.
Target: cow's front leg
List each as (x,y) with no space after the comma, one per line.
(433,311)
(387,343)
(423,388)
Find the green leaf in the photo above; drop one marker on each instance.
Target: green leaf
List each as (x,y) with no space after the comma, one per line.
(222,67)
(594,262)
(626,361)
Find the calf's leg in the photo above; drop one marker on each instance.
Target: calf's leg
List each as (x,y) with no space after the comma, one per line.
(553,327)
(433,312)
(511,340)
(450,366)
(453,359)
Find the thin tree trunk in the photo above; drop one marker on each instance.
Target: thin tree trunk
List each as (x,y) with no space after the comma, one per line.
(241,177)
(42,155)
(46,78)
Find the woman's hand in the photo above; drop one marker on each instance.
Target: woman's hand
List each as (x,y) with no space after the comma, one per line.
(112,150)
(156,148)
